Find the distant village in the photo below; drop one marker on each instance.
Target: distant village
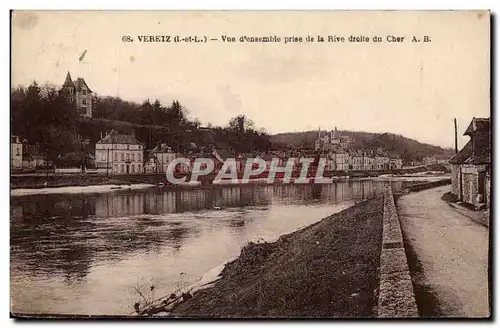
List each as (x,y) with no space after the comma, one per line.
(119,153)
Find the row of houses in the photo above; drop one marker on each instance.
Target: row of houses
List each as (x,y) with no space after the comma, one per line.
(431,160)
(118,153)
(357,160)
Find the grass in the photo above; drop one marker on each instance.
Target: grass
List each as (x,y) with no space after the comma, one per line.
(328,269)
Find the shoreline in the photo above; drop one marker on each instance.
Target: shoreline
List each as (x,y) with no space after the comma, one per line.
(122,185)
(77,189)
(51,180)
(327,269)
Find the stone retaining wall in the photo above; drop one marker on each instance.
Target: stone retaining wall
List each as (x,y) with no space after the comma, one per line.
(428,185)
(396,296)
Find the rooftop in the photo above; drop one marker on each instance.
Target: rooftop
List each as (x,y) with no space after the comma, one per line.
(116,138)
(478,124)
(463,155)
(78,84)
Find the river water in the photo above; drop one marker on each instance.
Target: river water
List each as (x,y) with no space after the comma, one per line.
(87,254)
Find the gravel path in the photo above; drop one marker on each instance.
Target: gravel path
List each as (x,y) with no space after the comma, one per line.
(448,255)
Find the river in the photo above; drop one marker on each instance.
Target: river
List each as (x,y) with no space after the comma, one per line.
(87,254)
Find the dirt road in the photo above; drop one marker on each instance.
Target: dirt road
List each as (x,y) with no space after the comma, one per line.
(448,256)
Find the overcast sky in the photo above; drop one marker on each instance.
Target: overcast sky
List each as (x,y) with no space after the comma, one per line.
(414,89)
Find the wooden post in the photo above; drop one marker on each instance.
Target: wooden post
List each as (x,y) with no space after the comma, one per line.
(107,164)
(456,137)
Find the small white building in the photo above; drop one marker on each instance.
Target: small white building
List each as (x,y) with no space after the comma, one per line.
(341,159)
(381,163)
(159,159)
(396,163)
(119,154)
(368,163)
(16,153)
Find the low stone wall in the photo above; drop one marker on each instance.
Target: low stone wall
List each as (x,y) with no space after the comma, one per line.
(428,185)
(396,296)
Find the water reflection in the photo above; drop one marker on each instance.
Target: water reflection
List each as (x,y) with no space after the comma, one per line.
(65,240)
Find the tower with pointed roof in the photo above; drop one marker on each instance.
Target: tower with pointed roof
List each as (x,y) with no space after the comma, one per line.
(78,93)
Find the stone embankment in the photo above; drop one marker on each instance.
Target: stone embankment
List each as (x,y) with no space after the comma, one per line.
(396,295)
(326,270)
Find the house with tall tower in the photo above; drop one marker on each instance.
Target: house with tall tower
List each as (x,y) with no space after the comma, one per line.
(79,93)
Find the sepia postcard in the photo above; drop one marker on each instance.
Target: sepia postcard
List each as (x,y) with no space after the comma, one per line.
(250,164)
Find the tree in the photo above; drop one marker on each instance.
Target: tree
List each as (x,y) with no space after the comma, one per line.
(242,124)
(176,114)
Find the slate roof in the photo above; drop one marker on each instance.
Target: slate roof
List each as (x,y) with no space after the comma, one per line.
(482,158)
(161,148)
(116,138)
(194,156)
(68,82)
(79,83)
(463,155)
(224,154)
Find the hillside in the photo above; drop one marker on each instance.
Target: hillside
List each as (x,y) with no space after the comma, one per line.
(45,118)
(408,149)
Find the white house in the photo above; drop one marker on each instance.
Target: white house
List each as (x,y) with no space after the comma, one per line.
(16,155)
(119,154)
(381,163)
(368,163)
(159,158)
(341,159)
(396,163)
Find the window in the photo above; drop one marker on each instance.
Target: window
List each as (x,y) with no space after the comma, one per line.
(115,157)
(133,168)
(122,168)
(17,151)
(139,156)
(139,168)
(133,157)
(128,156)
(122,157)
(84,101)
(84,92)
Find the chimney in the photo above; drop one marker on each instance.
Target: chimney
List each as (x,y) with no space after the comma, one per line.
(456,137)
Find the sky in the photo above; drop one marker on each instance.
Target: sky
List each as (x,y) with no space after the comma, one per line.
(413,89)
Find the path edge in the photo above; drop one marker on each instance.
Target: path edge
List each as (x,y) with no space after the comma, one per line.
(396,297)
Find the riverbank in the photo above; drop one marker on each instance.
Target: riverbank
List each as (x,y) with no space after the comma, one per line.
(328,269)
(77,189)
(53,180)
(67,180)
